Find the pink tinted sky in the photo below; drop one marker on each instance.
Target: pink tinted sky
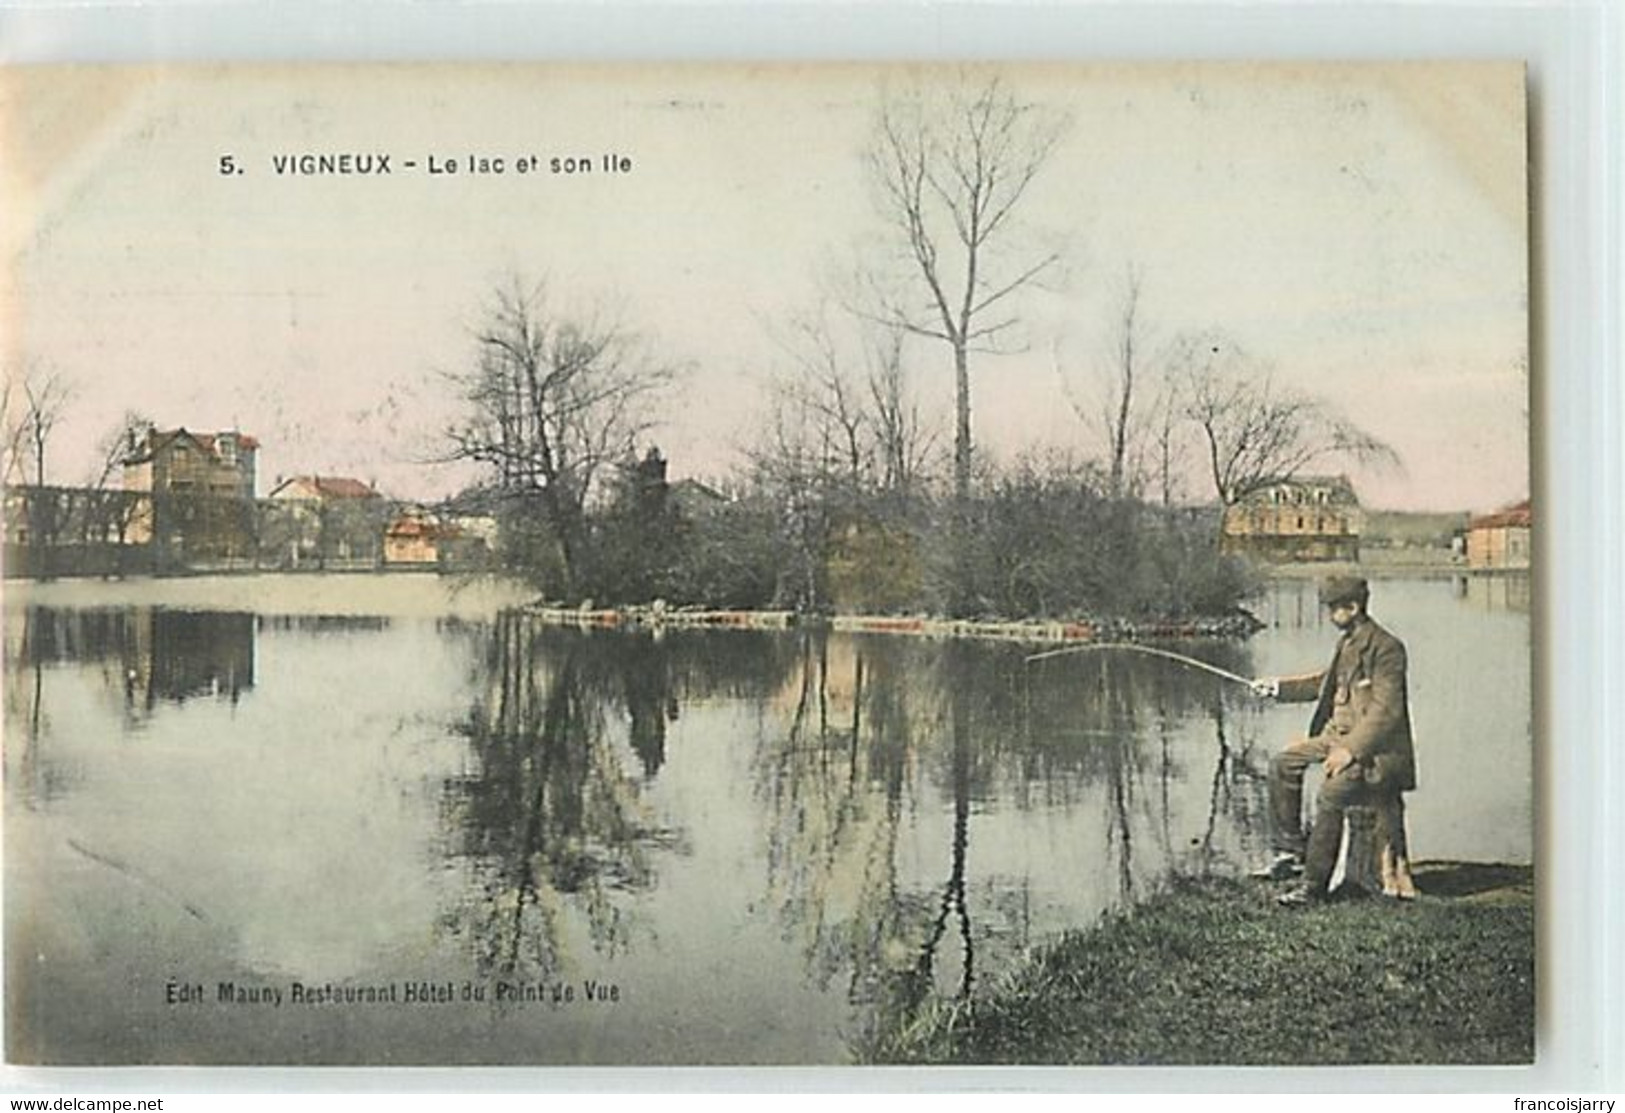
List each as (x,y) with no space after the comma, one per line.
(1363,228)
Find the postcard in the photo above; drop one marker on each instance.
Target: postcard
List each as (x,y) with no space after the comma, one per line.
(785,564)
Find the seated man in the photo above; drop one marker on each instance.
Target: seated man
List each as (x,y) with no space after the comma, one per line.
(1360,733)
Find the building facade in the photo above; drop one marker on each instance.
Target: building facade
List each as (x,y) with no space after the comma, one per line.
(1501,540)
(415,539)
(1309,518)
(199,488)
(323,522)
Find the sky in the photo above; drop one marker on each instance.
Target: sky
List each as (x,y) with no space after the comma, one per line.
(1361,228)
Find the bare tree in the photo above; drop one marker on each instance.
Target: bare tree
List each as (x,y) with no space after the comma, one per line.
(12,432)
(905,442)
(1255,431)
(841,430)
(553,402)
(31,409)
(824,388)
(1169,444)
(792,464)
(1125,368)
(34,405)
(118,445)
(111,512)
(848,378)
(1117,411)
(951,167)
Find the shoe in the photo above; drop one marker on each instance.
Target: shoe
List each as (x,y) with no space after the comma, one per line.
(1282,867)
(1300,897)
(1396,877)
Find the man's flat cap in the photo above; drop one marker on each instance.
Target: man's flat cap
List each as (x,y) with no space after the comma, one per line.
(1344,589)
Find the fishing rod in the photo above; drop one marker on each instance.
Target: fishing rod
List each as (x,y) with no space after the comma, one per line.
(1178,658)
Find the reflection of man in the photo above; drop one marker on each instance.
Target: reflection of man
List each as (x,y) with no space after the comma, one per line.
(1361,735)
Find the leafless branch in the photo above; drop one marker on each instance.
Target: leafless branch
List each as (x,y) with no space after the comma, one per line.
(1257,433)
(34,405)
(553,400)
(950,168)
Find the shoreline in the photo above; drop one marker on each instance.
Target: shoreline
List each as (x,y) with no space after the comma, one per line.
(1239,625)
(1386,567)
(429,593)
(1211,971)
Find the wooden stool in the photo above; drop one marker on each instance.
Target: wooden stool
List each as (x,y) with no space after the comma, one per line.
(1377,859)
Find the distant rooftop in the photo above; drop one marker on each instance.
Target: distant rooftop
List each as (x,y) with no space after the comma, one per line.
(328,487)
(1337,487)
(1516,515)
(159,439)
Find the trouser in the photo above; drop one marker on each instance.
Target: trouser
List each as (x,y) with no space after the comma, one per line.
(1338,793)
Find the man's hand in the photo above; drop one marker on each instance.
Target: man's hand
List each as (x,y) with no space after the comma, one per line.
(1338,758)
(1265,687)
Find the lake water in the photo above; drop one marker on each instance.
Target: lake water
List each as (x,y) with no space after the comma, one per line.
(473,838)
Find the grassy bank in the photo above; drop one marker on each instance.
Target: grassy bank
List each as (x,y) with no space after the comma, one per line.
(1212,972)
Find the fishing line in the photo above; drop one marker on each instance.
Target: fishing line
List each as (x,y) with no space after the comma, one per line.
(138,876)
(1131,647)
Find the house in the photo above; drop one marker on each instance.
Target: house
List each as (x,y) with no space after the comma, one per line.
(324,521)
(1306,518)
(416,537)
(694,500)
(199,488)
(1502,539)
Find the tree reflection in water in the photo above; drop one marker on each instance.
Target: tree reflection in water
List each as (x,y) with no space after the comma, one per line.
(566,731)
(877,731)
(1127,700)
(917,982)
(549,814)
(876,755)
(143,658)
(836,787)
(25,702)
(148,655)
(1239,790)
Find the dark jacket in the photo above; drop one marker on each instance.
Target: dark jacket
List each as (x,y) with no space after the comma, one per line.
(1376,728)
